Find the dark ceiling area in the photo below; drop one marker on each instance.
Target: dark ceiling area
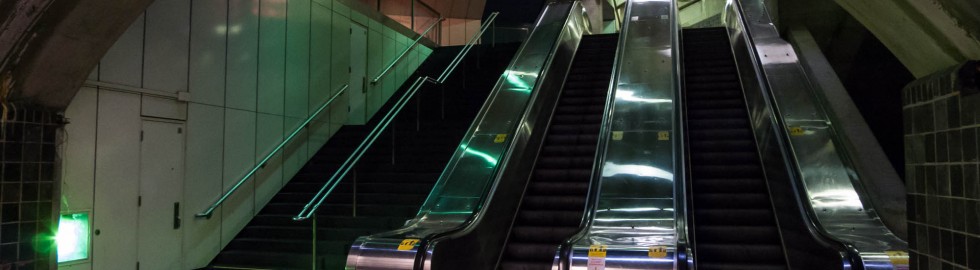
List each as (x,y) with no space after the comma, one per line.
(514,12)
(873,76)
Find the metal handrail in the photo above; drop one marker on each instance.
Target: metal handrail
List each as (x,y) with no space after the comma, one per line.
(210,211)
(408,49)
(348,164)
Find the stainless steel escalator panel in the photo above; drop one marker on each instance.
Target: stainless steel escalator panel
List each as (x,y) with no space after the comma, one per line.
(831,187)
(459,194)
(632,213)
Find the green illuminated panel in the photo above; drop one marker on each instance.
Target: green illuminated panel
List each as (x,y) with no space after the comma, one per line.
(73,237)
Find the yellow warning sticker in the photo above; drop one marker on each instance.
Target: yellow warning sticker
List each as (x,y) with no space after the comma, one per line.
(598,251)
(500,138)
(657,252)
(408,244)
(617,136)
(898,258)
(663,136)
(797,131)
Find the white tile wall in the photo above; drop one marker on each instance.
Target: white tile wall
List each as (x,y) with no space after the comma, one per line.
(254,70)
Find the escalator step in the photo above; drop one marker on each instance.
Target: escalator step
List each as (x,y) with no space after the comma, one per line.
(561,162)
(746,234)
(734,217)
(541,234)
(567,129)
(732,201)
(716,113)
(741,253)
(741,266)
(562,175)
(524,265)
(731,170)
(721,144)
(729,123)
(571,140)
(550,218)
(553,202)
(728,185)
(721,158)
(576,188)
(531,251)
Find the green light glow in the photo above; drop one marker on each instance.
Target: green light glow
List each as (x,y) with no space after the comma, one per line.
(515,79)
(73,237)
(485,156)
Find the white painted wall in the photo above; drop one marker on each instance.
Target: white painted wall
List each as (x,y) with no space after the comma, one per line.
(700,11)
(251,71)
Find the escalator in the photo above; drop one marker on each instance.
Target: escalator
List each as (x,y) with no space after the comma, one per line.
(734,222)
(552,206)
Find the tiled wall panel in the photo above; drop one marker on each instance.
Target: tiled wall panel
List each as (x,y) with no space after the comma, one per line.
(123,63)
(272,56)
(202,182)
(209,30)
(166,45)
(298,58)
(941,132)
(27,188)
(268,180)
(242,68)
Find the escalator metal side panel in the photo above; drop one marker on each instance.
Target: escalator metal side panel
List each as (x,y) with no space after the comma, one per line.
(478,243)
(498,129)
(790,125)
(630,221)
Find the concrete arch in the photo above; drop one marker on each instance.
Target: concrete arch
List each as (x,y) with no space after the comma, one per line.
(49,47)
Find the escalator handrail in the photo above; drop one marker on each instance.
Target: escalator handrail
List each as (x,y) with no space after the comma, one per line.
(478,214)
(849,257)
(310,208)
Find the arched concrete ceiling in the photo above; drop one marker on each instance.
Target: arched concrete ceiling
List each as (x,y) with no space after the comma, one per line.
(50,46)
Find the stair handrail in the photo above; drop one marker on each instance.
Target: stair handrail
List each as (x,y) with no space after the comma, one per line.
(207,213)
(405,52)
(310,208)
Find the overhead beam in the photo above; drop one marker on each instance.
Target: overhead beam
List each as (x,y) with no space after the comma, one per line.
(921,34)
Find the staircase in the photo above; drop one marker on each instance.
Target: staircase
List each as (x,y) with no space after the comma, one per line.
(391,180)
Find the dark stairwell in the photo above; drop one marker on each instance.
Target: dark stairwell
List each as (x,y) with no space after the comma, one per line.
(392,179)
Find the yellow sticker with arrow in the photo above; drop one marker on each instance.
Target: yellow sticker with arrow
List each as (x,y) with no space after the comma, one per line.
(408,244)
(598,251)
(657,252)
(797,131)
(898,258)
(500,138)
